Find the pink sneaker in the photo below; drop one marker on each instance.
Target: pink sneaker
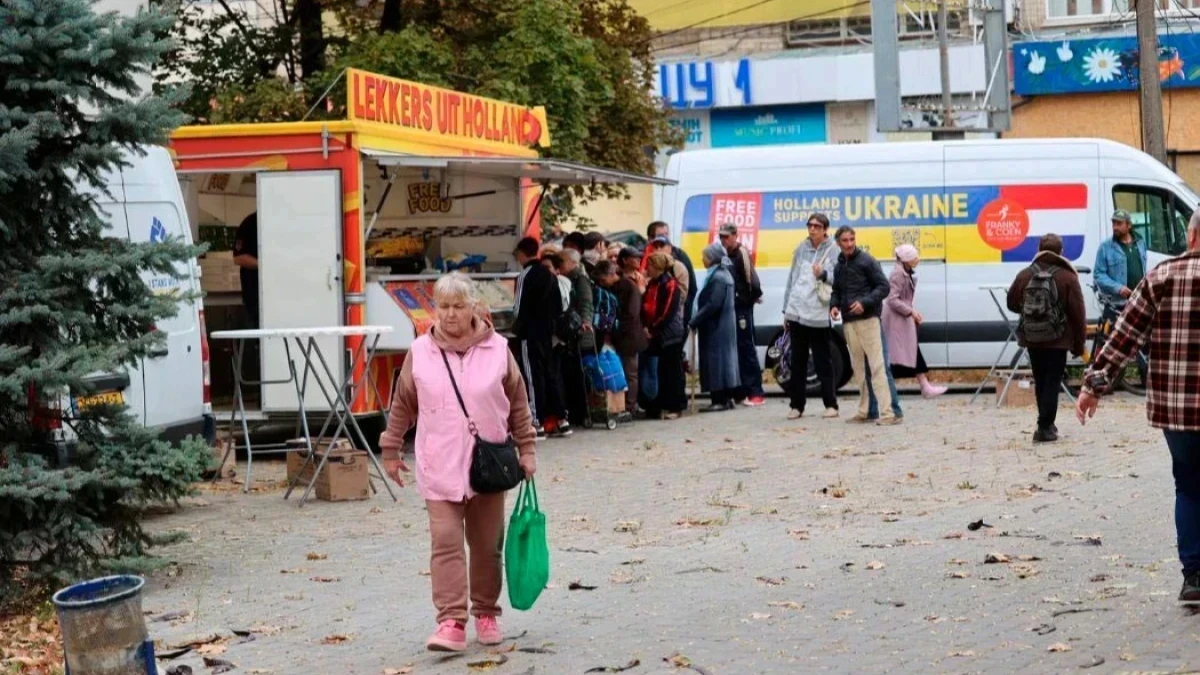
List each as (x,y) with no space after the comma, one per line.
(488,631)
(755,401)
(451,636)
(933,391)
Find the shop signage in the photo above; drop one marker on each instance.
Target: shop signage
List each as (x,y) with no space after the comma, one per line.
(706,84)
(441,112)
(695,126)
(427,198)
(1101,64)
(768,126)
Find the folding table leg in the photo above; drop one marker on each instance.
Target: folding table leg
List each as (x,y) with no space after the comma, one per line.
(238,405)
(301,385)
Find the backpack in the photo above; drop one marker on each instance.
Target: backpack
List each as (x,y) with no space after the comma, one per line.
(604,311)
(1042,317)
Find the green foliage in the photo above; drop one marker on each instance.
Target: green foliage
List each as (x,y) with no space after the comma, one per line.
(72,301)
(587,61)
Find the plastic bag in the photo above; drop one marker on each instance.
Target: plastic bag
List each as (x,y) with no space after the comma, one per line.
(526,553)
(605,372)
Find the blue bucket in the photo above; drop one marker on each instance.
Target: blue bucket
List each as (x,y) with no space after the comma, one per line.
(104,632)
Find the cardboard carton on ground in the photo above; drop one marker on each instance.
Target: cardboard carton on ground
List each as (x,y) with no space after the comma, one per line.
(1020,394)
(344,478)
(616,402)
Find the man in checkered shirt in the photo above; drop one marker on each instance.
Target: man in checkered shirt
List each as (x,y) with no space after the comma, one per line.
(1165,310)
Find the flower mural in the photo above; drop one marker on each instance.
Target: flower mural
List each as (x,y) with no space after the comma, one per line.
(1104,64)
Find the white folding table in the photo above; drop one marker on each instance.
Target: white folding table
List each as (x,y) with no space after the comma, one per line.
(1019,358)
(339,398)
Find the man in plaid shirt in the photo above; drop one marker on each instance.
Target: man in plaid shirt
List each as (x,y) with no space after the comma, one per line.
(1165,310)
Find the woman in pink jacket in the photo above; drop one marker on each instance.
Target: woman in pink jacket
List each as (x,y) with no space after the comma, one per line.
(494,394)
(900,321)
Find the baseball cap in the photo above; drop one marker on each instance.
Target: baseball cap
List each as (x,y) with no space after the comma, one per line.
(660,240)
(1121,215)
(728,229)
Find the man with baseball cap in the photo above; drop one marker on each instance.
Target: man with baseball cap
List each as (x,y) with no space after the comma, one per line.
(1120,265)
(747,292)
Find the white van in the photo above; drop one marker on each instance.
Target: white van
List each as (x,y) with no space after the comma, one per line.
(169,390)
(975,209)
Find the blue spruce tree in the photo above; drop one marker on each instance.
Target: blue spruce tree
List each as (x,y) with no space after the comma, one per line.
(72,300)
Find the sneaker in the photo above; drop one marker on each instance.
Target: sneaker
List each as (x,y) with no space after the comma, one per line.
(933,391)
(1190,593)
(858,419)
(794,414)
(830,413)
(755,401)
(717,407)
(562,430)
(889,421)
(670,416)
(451,636)
(1045,435)
(539,433)
(487,631)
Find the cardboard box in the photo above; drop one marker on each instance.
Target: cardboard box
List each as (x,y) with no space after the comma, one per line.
(1020,393)
(616,402)
(345,477)
(219,274)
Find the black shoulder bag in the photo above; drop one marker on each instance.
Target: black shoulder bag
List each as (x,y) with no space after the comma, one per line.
(494,466)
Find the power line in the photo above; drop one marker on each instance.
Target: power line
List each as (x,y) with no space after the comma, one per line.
(748,29)
(731,12)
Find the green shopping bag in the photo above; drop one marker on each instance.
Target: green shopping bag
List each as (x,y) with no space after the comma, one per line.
(526,554)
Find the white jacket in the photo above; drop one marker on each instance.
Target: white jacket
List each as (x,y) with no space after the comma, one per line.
(800,301)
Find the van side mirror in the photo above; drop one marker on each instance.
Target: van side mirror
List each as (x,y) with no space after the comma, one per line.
(1083,270)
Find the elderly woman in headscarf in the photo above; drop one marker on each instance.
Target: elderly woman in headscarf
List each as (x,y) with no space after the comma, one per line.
(901,319)
(716,323)
(461,354)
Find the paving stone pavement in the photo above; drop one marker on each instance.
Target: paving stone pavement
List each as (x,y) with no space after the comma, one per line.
(747,544)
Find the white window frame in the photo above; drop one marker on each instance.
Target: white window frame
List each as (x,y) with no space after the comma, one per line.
(1110,16)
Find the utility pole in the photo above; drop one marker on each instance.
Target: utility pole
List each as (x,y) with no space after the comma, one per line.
(944,56)
(1149,87)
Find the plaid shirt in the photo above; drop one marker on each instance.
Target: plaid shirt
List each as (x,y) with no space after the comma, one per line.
(1164,309)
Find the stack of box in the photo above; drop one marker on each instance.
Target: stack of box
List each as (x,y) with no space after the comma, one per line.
(219,274)
(345,476)
(1020,393)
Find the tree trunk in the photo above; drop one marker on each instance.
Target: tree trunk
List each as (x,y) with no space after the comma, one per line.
(392,17)
(312,37)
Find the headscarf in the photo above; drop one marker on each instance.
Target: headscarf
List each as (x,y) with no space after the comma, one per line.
(715,253)
(907,253)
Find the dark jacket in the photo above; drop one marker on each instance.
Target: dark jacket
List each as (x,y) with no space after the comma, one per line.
(662,312)
(630,336)
(538,303)
(747,289)
(582,299)
(716,323)
(1070,294)
(859,278)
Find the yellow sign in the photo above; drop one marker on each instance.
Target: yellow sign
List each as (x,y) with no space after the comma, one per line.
(441,112)
(427,198)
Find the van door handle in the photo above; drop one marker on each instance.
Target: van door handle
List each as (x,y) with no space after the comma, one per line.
(159,352)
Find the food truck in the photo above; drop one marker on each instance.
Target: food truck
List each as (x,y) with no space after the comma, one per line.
(356,218)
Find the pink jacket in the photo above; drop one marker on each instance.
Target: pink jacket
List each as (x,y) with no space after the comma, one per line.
(898,325)
(493,391)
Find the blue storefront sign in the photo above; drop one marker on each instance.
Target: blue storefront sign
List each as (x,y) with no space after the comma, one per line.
(1101,64)
(776,125)
(706,84)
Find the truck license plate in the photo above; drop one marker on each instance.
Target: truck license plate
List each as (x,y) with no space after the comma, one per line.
(103,398)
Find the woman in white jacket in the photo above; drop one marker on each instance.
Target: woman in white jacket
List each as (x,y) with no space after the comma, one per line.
(806,316)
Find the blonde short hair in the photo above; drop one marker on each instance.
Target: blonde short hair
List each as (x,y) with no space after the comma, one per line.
(455,286)
(659,261)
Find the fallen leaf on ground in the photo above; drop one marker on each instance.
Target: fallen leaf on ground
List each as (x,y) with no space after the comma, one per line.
(875,565)
(488,664)
(1126,656)
(212,648)
(697,522)
(325,580)
(1059,647)
(219,665)
(615,669)
(800,535)
(318,556)
(424,573)
(957,561)
(955,535)
(1100,578)
(786,604)
(958,575)
(1025,571)
(297,570)
(966,653)
(1089,539)
(577,586)
(635,561)
(844,614)
(994,558)
(376,509)
(406,670)
(628,526)
(759,616)
(772,581)
(335,639)
(1028,558)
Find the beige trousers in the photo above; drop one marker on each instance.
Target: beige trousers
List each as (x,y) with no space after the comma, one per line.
(480,522)
(864,340)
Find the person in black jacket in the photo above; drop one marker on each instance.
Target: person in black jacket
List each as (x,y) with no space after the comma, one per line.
(747,292)
(537,307)
(859,289)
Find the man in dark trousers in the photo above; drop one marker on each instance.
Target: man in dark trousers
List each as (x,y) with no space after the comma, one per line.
(537,306)
(747,292)
(1053,319)
(859,289)
(245,256)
